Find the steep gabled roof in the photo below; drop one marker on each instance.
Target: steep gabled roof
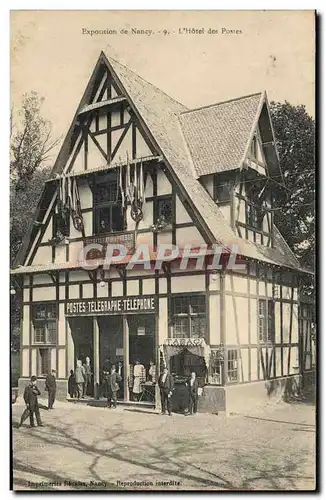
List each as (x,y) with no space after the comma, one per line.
(169,124)
(217,136)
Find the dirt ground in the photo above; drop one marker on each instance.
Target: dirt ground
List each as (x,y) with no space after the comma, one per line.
(82,447)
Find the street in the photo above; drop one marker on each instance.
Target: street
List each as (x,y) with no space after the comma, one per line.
(82,447)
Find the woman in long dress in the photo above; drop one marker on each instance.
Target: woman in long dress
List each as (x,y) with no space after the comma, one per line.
(139,378)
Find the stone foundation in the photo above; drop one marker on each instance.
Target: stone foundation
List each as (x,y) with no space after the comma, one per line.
(243,397)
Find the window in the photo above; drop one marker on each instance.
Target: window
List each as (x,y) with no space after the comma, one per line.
(253,216)
(233,365)
(222,189)
(189,316)
(266,321)
(253,148)
(164,209)
(61,225)
(109,215)
(45,323)
(44,364)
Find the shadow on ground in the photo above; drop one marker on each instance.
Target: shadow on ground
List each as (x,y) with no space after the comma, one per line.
(174,457)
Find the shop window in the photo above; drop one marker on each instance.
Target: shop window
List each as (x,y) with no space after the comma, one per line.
(189,316)
(61,225)
(109,215)
(44,364)
(45,323)
(266,321)
(163,209)
(232,365)
(215,368)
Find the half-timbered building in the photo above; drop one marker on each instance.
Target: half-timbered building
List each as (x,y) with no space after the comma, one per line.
(139,168)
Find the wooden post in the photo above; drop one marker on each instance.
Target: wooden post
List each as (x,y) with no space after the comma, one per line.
(125,327)
(96,356)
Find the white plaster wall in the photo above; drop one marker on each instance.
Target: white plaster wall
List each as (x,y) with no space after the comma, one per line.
(133,287)
(163,320)
(25,326)
(61,325)
(117,289)
(61,363)
(149,286)
(188,283)
(25,362)
(214,320)
(41,294)
(182,215)
(163,183)
(43,256)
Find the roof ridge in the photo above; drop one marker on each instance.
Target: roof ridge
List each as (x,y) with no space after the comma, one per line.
(110,58)
(222,102)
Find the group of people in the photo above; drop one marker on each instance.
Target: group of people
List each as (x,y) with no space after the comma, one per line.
(80,380)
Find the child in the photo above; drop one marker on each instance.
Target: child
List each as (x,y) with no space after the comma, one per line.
(72,386)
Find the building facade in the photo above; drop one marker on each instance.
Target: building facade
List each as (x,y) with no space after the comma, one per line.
(139,170)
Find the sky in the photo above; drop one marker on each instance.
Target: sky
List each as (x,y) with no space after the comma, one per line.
(274,51)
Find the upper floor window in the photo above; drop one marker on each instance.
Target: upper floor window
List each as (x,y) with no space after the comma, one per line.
(164,209)
(61,225)
(109,215)
(254,216)
(266,321)
(189,316)
(253,147)
(44,318)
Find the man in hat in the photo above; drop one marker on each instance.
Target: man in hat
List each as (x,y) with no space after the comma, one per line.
(166,385)
(30,397)
(51,387)
(112,387)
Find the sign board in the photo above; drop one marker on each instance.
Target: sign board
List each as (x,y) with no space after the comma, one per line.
(123,305)
(141,330)
(188,342)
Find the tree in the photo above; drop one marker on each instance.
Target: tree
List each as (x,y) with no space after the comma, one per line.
(30,154)
(295,204)
(31,142)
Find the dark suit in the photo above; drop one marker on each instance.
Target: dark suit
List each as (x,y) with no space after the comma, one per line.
(166,389)
(51,387)
(30,397)
(112,387)
(193,395)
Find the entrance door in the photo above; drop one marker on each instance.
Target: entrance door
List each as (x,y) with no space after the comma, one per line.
(142,352)
(82,335)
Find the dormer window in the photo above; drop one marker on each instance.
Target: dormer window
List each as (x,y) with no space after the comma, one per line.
(253,149)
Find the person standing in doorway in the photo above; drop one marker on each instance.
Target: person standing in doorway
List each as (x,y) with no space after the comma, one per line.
(72,386)
(112,387)
(88,376)
(166,385)
(192,384)
(80,379)
(152,372)
(51,387)
(30,397)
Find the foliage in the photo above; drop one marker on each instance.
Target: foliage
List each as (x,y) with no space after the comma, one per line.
(295,205)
